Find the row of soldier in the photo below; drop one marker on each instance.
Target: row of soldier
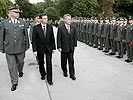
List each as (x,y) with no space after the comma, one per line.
(114,34)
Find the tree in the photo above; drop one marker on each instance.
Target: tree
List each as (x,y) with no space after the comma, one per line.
(28,9)
(4,5)
(105,8)
(84,8)
(52,13)
(123,7)
(64,6)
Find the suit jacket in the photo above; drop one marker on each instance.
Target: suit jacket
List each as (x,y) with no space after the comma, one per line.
(64,40)
(14,37)
(40,43)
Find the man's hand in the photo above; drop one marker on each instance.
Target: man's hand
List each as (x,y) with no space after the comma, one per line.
(60,50)
(53,51)
(35,53)
(131,43)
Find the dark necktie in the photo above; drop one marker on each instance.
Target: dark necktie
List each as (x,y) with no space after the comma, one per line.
(44,30)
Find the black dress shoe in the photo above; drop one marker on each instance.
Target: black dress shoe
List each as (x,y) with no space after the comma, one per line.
(120,57)
(65,75)
(43,78)
(14,87)
(21,74)
(50,82)
(100,49)
(128,60)
(73,77)
(95,47)
(105,51)
(111,53)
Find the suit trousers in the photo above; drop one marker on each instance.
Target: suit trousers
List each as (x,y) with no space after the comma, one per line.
(48,65)
(15,64)
(68,56)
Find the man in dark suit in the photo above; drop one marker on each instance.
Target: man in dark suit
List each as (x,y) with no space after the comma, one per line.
(43,43)
(66,43)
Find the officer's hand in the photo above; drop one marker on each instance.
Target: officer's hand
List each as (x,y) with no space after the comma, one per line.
(60,49)
(53,51)
(35,53)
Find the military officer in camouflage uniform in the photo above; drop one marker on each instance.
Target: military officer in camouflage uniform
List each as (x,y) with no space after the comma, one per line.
(14,42)
(129,41)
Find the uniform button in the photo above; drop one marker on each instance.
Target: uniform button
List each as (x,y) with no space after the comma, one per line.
(14,36)
(14,40)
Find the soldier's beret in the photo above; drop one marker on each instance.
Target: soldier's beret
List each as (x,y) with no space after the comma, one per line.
(14,9)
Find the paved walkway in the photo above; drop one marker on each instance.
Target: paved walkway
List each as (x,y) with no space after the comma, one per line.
(99,77)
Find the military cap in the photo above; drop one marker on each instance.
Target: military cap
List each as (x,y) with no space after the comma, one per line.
(101,18)
(107,18)
(130,18)
(121,19)
(14,9)
(113,18)
(125,19)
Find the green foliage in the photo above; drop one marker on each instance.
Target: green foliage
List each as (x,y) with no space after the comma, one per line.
(124,7)
(27,8)
(4,5)
(84,8)
(52,13)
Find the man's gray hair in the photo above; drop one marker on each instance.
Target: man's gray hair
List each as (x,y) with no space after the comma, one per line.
(66,15)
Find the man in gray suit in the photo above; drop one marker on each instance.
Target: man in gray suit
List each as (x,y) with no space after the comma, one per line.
(14,42)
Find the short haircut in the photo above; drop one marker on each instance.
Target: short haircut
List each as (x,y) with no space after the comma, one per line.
(66,15)
(43,14)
